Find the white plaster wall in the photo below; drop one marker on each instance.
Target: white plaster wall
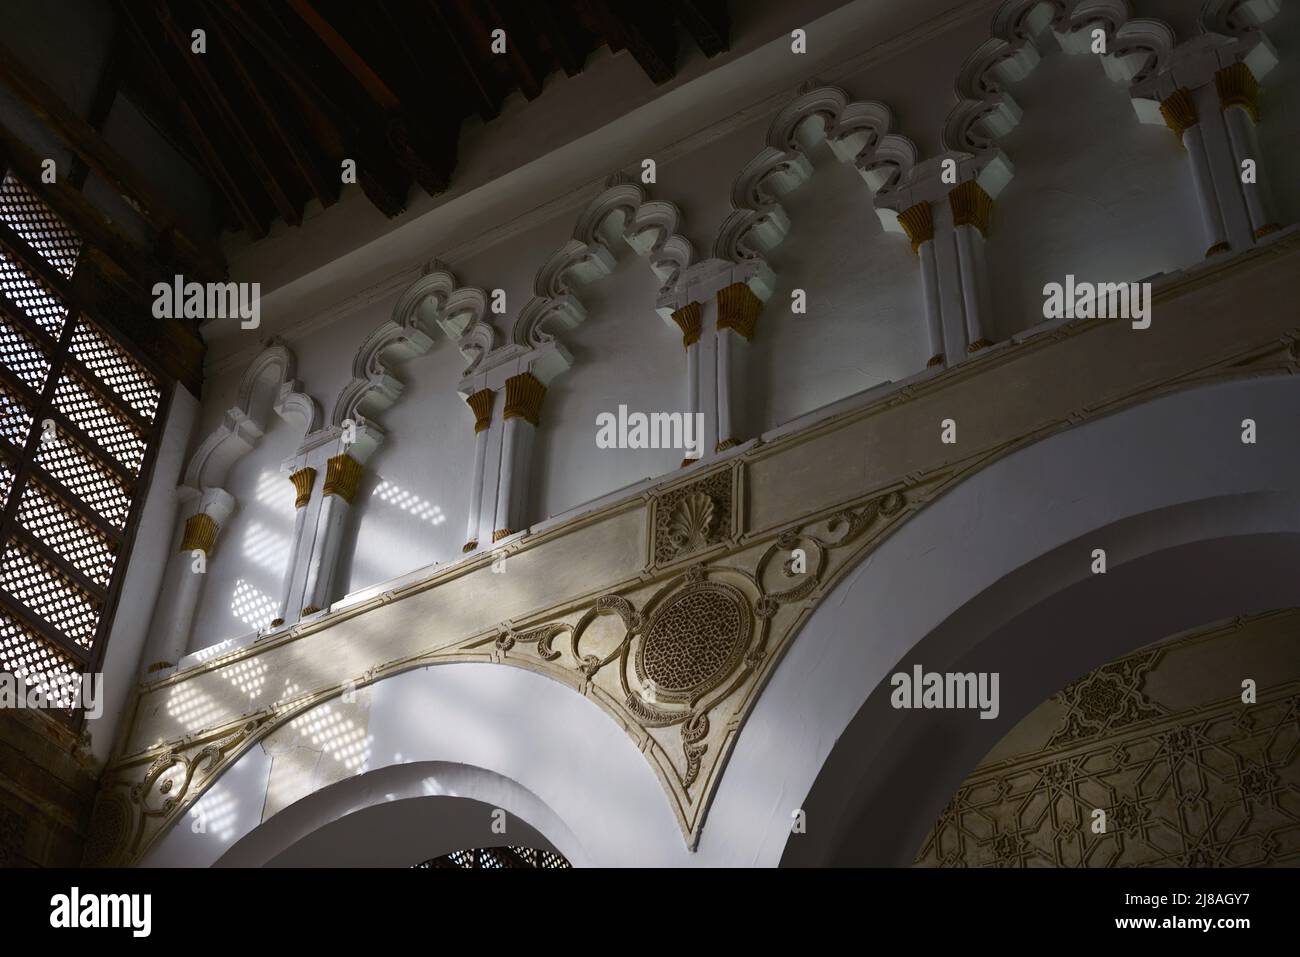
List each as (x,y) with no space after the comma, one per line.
(865,323)
(410,509)
(1186,477)
(242,588)
(623,354)
(150,552)
(1096,193)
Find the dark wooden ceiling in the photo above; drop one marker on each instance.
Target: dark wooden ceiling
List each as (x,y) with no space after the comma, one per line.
(289,89)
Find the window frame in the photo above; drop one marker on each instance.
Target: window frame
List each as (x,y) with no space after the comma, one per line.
(22,462)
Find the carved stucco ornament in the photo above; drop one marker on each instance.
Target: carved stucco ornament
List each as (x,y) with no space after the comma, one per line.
(685,659)
(693,517)
(677,661)
(128,815)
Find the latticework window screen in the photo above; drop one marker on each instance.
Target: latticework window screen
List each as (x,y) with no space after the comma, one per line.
(494,858)
(79,415)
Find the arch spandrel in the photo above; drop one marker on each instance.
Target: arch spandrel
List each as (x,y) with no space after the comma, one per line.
(836,486)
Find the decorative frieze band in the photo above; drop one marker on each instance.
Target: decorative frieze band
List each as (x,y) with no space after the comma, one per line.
(200,533)
(524,395)
(480,404)
(303,480)
(738,309)
(342,477)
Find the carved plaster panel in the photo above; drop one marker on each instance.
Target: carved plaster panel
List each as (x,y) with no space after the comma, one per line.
(1186,776)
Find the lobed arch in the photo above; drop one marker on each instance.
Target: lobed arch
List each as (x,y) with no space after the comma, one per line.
(245,422)
(434,301)
(858,132)
(620,216)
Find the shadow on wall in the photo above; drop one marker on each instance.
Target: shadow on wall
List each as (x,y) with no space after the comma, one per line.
(1097,193)
(1279,129)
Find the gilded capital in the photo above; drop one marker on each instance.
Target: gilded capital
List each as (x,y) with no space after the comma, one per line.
(738,309)
(501,533)
(480,403)
(524,395)
(1237,86)
(1179,111)
(302,480)
(200,533)
(971,206)
(688,320)
(342,476)
(918,222)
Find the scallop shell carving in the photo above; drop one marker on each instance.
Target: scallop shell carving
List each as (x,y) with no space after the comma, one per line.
(692,522)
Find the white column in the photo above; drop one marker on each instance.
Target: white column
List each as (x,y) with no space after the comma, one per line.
(303,480)
(738,311)
(690,319)
(727,435)
(971,206)
(480,402)
(1216,233)
(1239,102)
(173,620)
(342,477)
(522,412)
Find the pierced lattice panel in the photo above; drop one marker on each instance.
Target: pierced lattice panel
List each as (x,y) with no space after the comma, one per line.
(15,418)
(85,478)
(49,594)
(41,305)
(23,356)
(42,229)
(67,534)
(129,380)
(32,658)
(112,431)
(6,482)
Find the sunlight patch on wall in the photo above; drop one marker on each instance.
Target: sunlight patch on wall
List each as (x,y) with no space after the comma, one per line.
(393,494)
(253,607)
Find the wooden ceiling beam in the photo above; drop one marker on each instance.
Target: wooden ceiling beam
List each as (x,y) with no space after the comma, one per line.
(521,55)
(254,220)
(256,154)
(707,22)
(428,155)
(284,124)
(643,30)
(101,104)
(489,92)
(570,43)
(105,161)
(384,182)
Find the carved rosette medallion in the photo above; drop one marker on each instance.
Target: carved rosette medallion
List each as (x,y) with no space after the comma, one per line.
(695,641)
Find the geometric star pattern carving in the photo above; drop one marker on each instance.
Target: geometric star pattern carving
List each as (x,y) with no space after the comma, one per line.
(1217,785)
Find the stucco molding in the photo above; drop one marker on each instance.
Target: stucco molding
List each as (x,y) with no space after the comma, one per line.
(858,132)
(433,303)
(621,215)
(244,423)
